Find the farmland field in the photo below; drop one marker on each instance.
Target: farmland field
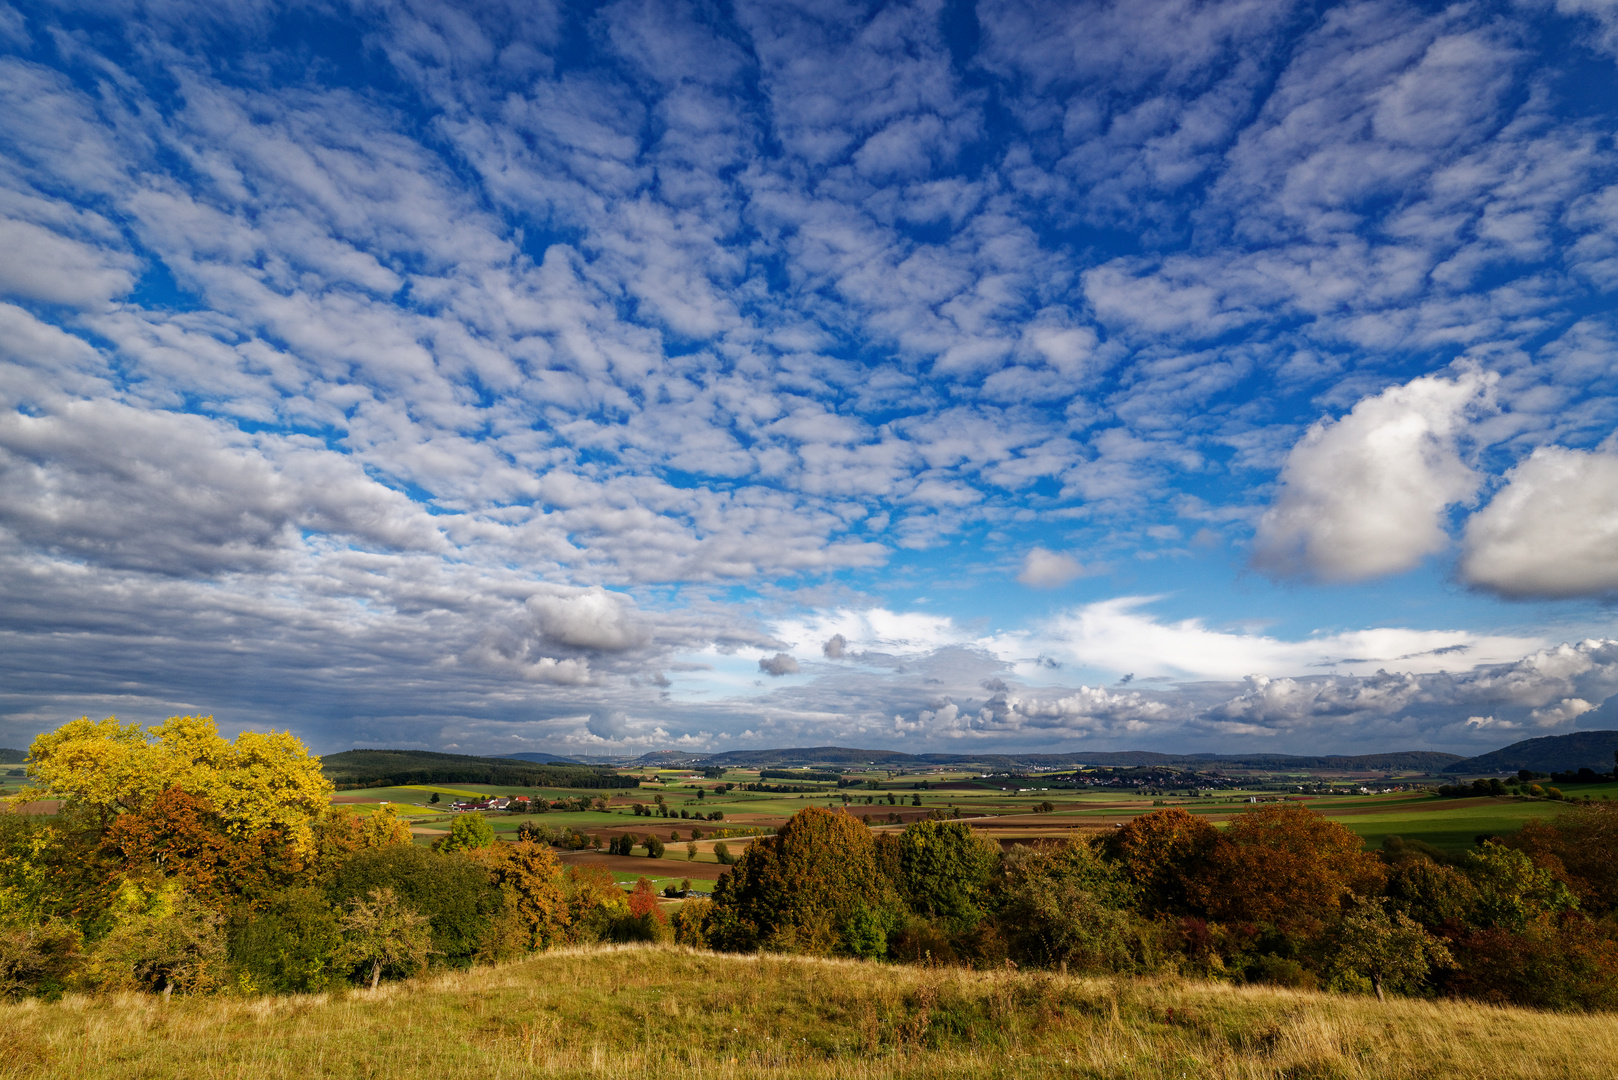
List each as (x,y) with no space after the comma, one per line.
(1006,815)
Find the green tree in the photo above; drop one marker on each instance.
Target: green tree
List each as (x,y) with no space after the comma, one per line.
(690,851)
(1511,890)
(942,868)
(722,855)
(434,800)
(456,894)
(467,832)
(382,931)
(654,847)
(290,946)
(1064,905)
(1388,950)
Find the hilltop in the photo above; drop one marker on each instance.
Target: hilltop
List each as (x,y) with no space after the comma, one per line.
(1398,761)
(1548,753)
(384,768)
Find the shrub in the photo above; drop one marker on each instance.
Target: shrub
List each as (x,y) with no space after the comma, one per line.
(164,939)
(291,946)
(39,959)
(1066,907)
(467,832)
(452,892)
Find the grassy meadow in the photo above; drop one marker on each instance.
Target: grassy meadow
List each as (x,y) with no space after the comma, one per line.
(672,1014)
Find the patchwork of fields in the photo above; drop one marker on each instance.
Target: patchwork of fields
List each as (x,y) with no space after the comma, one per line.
(1010,816)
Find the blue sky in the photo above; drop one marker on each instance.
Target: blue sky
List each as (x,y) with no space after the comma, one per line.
(603,378)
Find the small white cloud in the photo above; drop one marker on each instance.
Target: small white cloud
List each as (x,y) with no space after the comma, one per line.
(1366,495)
(1551,532)
(1042,569)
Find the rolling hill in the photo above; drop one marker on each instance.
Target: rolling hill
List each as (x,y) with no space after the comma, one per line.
(1548,753)
(383,768)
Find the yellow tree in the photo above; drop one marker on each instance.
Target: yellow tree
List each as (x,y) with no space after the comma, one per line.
(263,780)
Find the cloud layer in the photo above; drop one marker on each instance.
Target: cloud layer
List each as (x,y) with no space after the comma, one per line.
(612,377)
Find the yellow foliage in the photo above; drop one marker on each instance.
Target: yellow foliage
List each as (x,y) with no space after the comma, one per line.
(382,827)
(263,780)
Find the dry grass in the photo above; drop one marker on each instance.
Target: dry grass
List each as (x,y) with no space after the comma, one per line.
(649,1013)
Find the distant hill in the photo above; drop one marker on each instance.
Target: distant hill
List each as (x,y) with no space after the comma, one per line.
(9,756)
(1548,753)
(1401,761)
(544,759)
(385,768)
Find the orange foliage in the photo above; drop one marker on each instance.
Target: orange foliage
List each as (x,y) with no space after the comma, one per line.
(530,879)
(1285,865)
(643,902)
(181,836)
(1164,853)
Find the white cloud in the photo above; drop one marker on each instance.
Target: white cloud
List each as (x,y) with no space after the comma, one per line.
(1114,636)
(1366,495)
(1044,569)
(1552,531)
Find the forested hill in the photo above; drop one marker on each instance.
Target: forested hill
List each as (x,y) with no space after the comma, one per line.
(1398,761)
(1548,753)
(383,768)
(9,756)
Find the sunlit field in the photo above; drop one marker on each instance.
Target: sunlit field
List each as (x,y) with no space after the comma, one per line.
(1006,815)
(649,1012)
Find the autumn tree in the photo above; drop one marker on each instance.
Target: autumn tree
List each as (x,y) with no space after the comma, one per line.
(381,931)
(382,827)
(181,836)
(262,780)
(1580,846)
(530,881)
(1164,853)
(1287,866)
(594,902)
(800,889)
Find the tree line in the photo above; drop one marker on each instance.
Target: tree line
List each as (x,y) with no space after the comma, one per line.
(182,862)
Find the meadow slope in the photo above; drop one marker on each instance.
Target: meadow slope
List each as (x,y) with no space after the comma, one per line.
(671,1014)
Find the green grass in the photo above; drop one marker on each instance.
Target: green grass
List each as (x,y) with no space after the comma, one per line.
(671,1014)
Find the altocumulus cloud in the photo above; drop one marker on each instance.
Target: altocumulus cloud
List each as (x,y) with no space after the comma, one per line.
(562,376)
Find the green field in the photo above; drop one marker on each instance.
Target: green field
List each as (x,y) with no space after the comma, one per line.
(1008,815)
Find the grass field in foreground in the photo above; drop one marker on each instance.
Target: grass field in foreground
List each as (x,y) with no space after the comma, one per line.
(672,1014)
